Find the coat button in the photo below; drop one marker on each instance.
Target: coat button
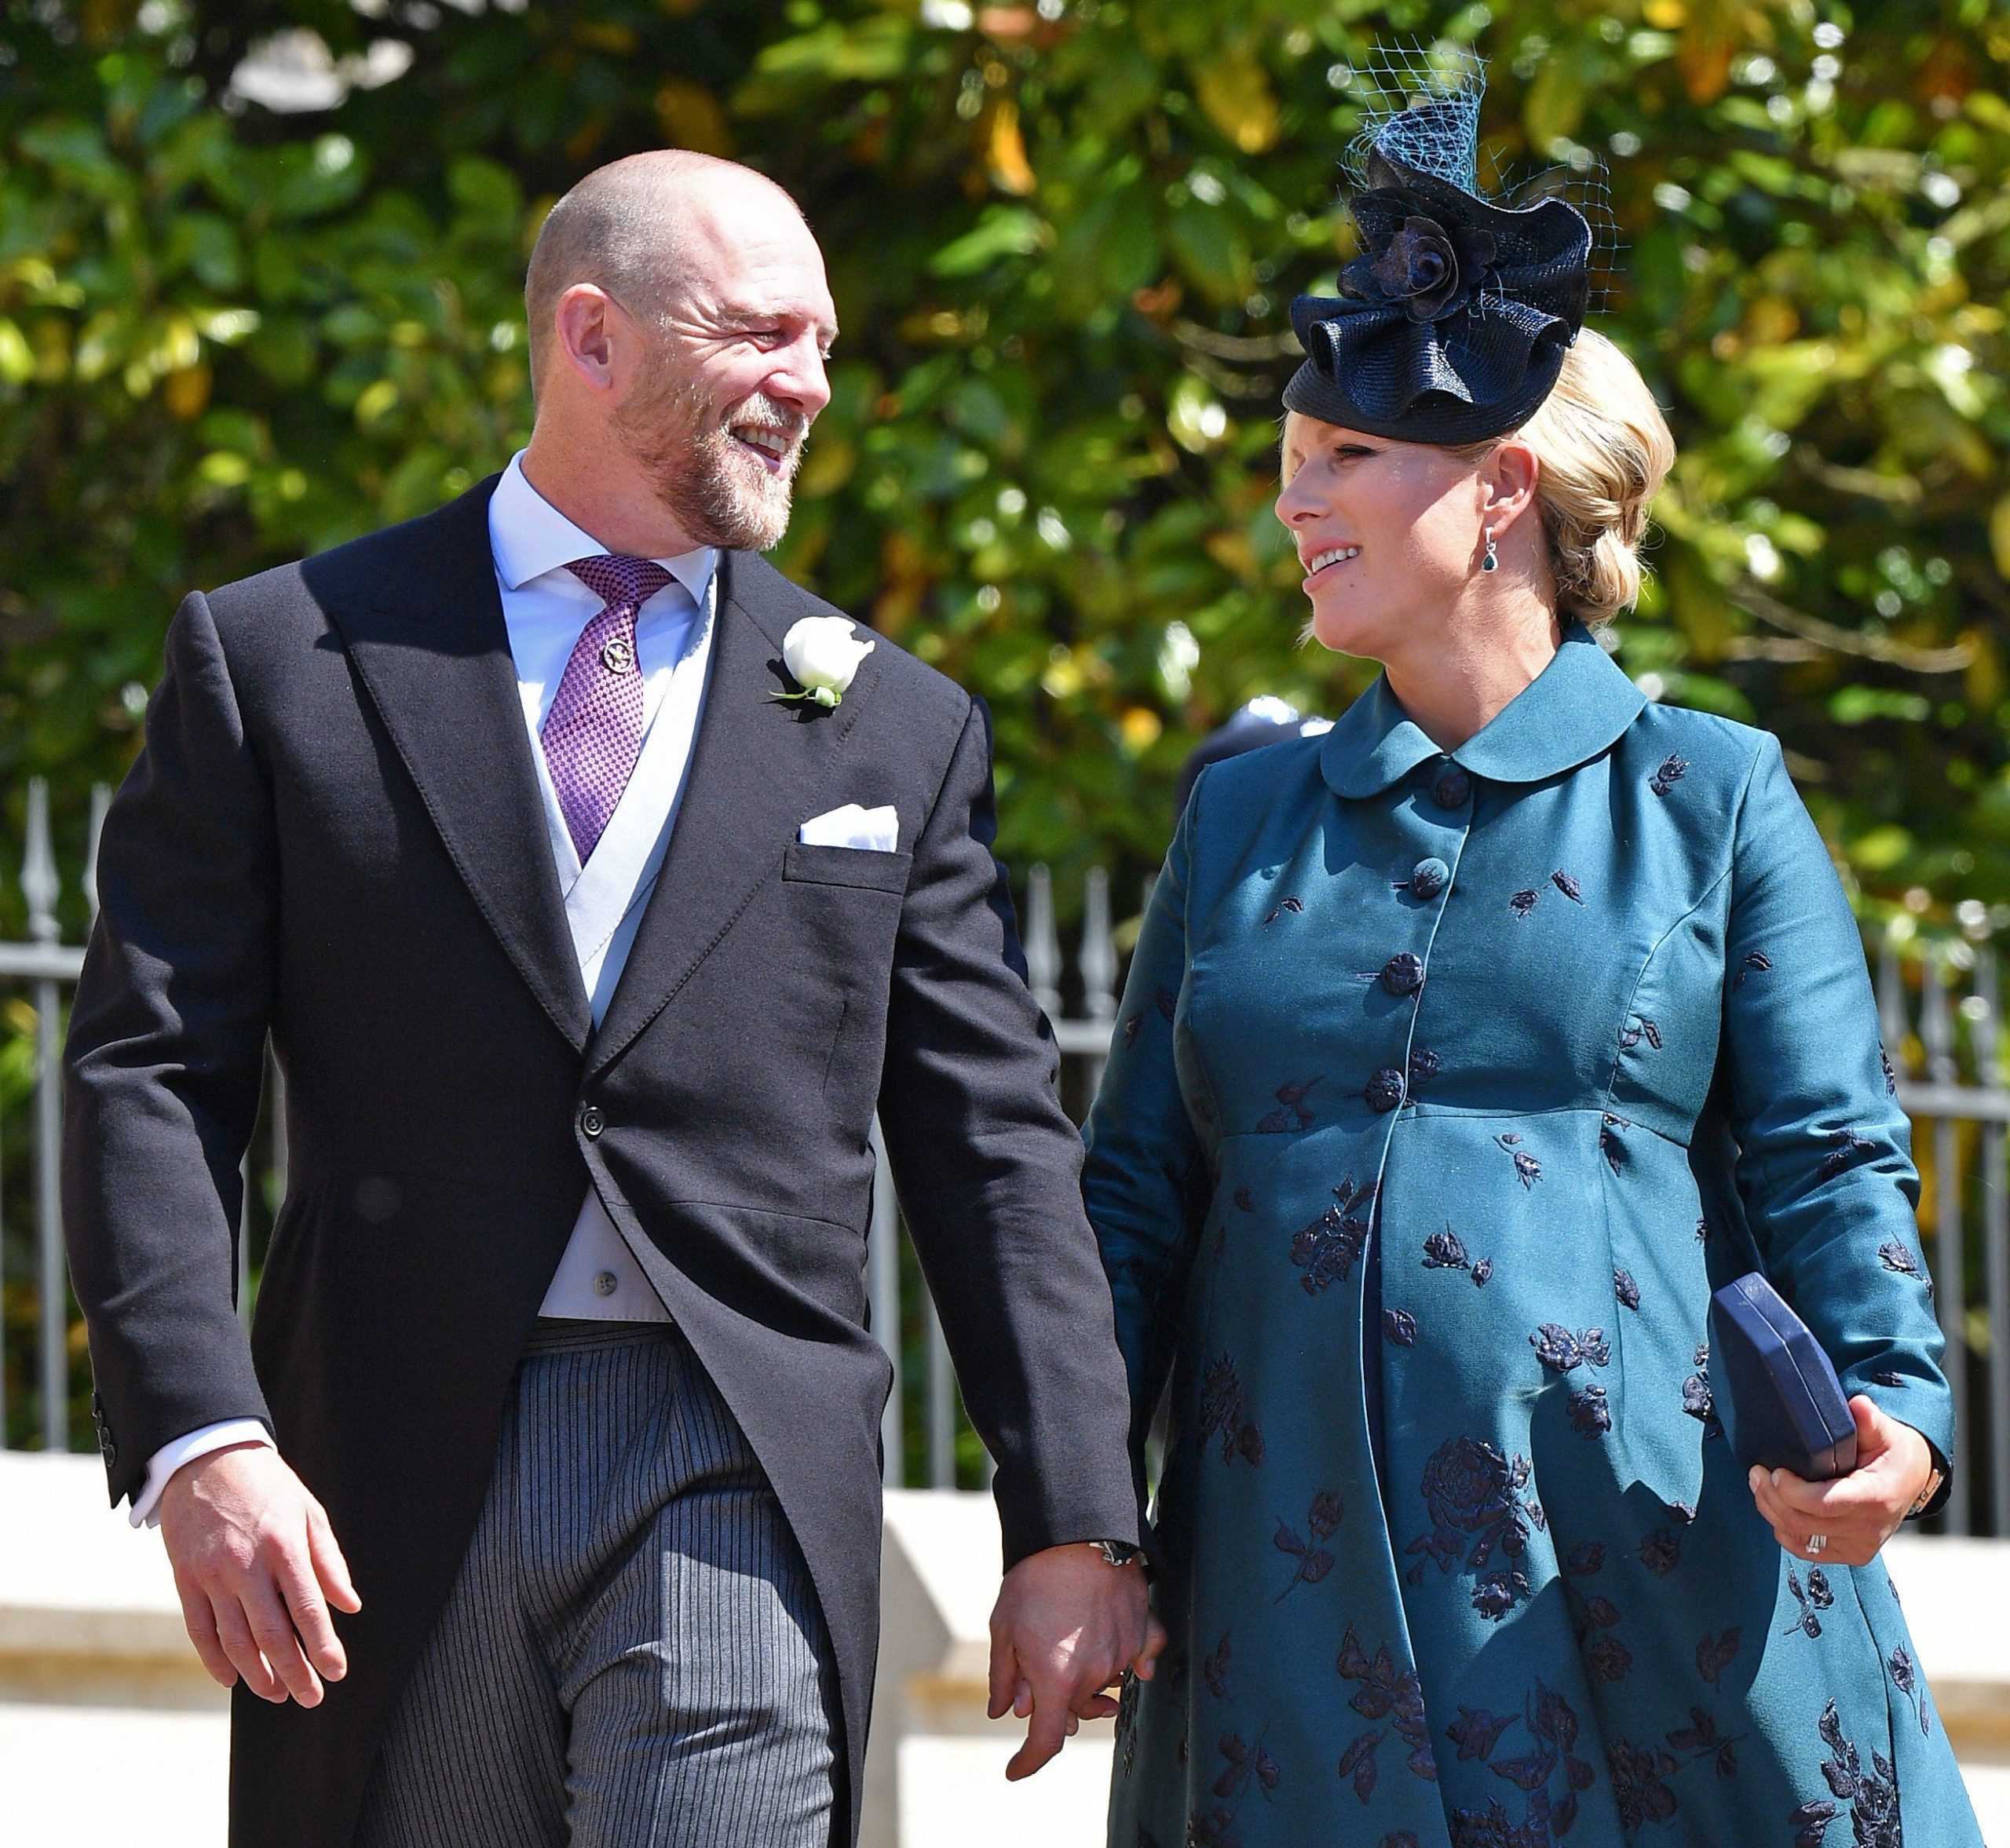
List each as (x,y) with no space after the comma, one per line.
(1385,1090)
(1428,878)
(591,1122)
(1452,787)
(1403,973)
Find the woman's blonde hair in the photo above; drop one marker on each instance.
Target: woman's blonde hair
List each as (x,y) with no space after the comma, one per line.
(1604,448)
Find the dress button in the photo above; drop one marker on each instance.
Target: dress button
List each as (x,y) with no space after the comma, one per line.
(1403,973)
(606,1283)
(1428,878)
(1385,1090)
(1452,787)
(591,1121)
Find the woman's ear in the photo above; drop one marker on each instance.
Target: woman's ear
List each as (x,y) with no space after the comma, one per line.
(1507,483)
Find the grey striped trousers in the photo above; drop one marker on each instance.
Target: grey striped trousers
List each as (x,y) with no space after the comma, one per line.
(633,1656)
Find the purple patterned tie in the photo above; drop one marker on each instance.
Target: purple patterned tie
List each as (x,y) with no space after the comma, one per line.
(593,734)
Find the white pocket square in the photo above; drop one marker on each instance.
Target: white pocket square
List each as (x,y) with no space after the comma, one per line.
(853,826)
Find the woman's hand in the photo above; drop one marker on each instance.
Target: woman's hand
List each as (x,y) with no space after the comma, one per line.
(1856,1514)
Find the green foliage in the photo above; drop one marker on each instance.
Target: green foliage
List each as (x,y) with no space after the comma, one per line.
(1063,238)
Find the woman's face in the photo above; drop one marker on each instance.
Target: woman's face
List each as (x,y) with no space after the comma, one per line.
(1389,534)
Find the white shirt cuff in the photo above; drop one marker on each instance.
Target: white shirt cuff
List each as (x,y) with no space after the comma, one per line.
(185,1449)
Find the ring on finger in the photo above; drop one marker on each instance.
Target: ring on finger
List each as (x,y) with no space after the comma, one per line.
(1815,1543)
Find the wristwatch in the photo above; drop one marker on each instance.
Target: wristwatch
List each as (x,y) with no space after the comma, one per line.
(1118,1552)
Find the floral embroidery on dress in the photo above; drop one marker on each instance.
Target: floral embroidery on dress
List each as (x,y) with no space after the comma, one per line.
(1244,1199)
(1567,884)
(1314,1560)
(1552,1725)
(1446,1250)
(1562,1352)
(1894,1256)
(1221,1410)
(1294,905)
(1904,1677)
(1325,1250)
(1631,1035)
(1524,902)
(1386,1692)
(1660,1552)
(1610,1145)
(1844,1145)
(1625,1289)
(1697,1399)
(1675,766)
(1290,1113)
(1472,1494)
(1590,1415)
(1714,1654)
(1593,1615)
(1244,1762)
(1817,1598)
(1872,1796)
(1527,1171)
(1756,963)
(1399,1327)
(1885,1377)
(1214,1669)
(1891,1076)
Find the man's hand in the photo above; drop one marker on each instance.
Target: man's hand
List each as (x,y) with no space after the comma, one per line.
(1856,1513)
(256,1565)
(1067,1625)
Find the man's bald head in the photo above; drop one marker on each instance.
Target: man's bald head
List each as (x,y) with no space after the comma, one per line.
(629,227)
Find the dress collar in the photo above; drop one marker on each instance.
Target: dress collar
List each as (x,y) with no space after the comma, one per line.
(530,537)
(1569,713)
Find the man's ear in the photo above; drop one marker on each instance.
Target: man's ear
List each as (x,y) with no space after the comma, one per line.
(583,322)
(1509,482)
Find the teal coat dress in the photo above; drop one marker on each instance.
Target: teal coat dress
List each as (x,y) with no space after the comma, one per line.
(1443,1090)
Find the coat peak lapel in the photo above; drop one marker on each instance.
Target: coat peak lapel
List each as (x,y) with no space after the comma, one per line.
(426,634)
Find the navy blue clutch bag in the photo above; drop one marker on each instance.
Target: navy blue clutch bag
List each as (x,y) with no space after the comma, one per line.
(1774,1389)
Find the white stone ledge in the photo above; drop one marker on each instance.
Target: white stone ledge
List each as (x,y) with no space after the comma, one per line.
(94,1668)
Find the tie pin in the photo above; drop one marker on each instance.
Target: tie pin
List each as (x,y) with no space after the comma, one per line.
(618,656)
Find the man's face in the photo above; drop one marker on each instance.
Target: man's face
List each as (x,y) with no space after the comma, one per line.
(733,375)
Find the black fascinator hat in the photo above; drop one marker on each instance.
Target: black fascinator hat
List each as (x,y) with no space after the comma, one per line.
(1451,324)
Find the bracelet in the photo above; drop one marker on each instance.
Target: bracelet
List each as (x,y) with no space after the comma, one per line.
(1933,1481)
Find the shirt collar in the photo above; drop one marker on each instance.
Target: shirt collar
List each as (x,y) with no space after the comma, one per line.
(530,537)
(1569,713)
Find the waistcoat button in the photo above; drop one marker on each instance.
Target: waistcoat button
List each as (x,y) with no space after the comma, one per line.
(1385,1090)
(1428,878)
(591,1121)
(1403,973)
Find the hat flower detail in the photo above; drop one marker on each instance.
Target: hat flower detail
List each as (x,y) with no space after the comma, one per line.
(1432,269)
(822,655)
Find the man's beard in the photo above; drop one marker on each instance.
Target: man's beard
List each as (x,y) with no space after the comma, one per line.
(710,482)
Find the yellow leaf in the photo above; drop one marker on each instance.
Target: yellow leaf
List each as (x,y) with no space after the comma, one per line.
(1005,150)
(1142,728)
(1999,536)
(16,360)
(1555,104)
(1235,92)
(187,392)
(691,118)
(1666,16)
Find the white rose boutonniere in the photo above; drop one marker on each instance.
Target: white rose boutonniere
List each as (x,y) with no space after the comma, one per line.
(822,653)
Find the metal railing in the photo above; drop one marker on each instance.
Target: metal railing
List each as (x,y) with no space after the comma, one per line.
(1939,1005)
